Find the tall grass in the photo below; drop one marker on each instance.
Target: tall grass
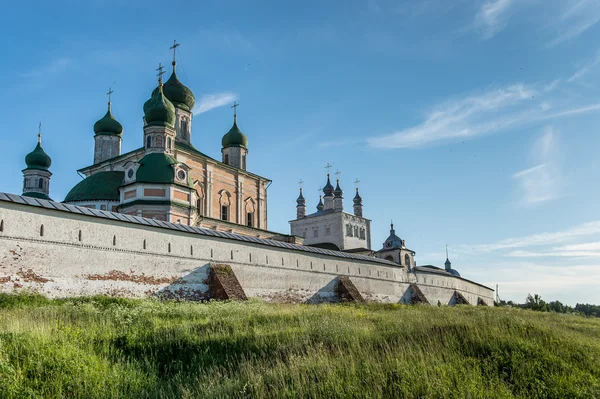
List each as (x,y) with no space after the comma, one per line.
(116,348)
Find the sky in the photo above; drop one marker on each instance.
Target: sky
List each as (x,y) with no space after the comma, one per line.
(469,123)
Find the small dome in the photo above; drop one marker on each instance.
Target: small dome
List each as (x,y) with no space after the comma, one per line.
(357,198)
(320,205)
(338,192)
(328,189)
(301,201)
(108,124)
(38,159)
(159,168)
(159,110)
(178,93)
(234,138)
(453,272)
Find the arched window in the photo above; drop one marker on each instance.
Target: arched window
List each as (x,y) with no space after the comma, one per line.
(148,141)
(224,212)
(169,144)
(406,260)
(389,257)
(356,231)
(226,159)
(244,161)
(224,200)
(41,183)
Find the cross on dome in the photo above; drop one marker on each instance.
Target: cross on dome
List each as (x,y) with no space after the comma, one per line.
(356,182)
(234,106)
(174,48)
(301,183)
(160,73)
(328,167)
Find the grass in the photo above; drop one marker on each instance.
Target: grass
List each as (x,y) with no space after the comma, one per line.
(117,348)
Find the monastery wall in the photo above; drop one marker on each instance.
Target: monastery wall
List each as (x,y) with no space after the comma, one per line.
(61,254)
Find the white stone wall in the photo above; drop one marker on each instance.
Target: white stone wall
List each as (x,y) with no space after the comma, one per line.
(106,147)
(83,255)
(336,223)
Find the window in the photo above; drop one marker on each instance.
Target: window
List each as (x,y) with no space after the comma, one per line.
(327,230)
(316,232)
(40,183)
(226,159)
(348,230)
(407,260)
(41,230)
(224,212)
(148,141)
(199,206)
(390,258)
(130,172)
(79,235)
(184,128)
(169,248)
(250,219)
(243,161)
(356,231)
(169,144)
(114,240)
(1,225)
(102,207)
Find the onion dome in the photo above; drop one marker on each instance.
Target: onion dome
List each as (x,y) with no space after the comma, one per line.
(178,93)
(448,266)
(159,110)
(159,168)
(393,241)
(338,192)
(357,198)
(38,159)
(301,201)
(320,205)
(328,189)
(234,137)
(108,124)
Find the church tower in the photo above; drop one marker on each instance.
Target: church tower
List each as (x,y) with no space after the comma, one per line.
(159,121)
(108,136)
(183,99)
(36,177)
(358,204)
(328,194)
(235,145)
(338,198)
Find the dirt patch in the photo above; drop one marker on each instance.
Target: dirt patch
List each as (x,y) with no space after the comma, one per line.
(29,276)
(4,279)
(117,275)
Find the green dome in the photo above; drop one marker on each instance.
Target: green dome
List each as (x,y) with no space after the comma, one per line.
(97,187)
(37,195)
(108,124)
(159,110)
(234,137)
(38,159)
(158,168)
(178,93)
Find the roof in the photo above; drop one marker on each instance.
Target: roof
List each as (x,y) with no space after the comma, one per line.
(37,195)
(157,167)
(99,186)
(120,217)
(436,270)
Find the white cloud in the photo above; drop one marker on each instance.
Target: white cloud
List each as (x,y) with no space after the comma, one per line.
(491,17)
(471,116)
(542,239)
(584,70)
(210,101)
(53,67)
(579,16)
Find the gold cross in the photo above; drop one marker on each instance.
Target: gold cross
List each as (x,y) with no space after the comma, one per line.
(234,106)
(110,91)
(174,48)
(40,133)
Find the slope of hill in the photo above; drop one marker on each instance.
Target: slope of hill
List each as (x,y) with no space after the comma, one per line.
(116,348)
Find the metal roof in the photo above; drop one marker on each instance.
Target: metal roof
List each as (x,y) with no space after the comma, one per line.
(60,207)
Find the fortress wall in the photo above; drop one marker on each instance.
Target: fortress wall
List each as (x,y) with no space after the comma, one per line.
(86,255)
(438,287)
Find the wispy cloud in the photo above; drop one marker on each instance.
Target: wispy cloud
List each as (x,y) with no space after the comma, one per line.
(542,239)
(578,17)
(541,182)
(53,67)
(584,69)
(210,101)
(491,17)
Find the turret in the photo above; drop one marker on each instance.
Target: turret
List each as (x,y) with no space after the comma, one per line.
(300,206)
(320,205)
(358,205)
(328,194)
(108,136)
(36,176)
(338,197)
(235,145)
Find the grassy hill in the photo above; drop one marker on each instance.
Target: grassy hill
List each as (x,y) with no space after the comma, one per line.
(114,348)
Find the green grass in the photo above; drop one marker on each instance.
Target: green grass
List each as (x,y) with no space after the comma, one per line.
(116,348)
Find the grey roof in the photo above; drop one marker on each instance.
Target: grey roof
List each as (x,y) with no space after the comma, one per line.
(438,270)
(57,206)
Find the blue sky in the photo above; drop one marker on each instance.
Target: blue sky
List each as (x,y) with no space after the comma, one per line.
(469,123)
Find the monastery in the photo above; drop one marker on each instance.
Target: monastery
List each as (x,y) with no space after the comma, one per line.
(168,220)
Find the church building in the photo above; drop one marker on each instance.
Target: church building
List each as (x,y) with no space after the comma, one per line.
(167,178)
